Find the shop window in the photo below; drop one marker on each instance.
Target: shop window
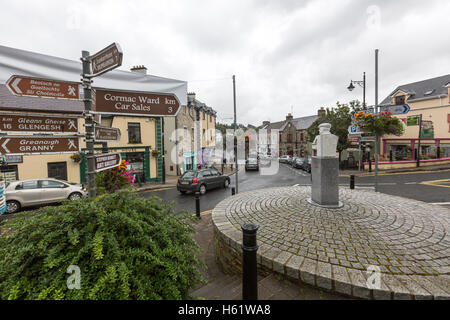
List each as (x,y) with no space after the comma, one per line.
(134,132)
(57,170)
(9,173)
(400,100)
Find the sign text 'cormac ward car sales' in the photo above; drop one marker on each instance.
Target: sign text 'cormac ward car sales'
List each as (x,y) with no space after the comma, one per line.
(135,103)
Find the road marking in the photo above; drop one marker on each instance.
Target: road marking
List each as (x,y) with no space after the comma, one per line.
(437,183)
(393,173)
(411,182)
(204,212)
(296,185)
(159,189)
(441,203)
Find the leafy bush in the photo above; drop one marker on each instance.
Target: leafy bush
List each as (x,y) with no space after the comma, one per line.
(110,181)
(126,246)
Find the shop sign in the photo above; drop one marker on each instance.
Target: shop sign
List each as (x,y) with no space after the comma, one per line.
(413,121)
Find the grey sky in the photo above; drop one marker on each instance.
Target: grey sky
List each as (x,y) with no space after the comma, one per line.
(283,53)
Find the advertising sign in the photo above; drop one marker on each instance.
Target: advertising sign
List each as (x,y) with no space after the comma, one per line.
(106,161)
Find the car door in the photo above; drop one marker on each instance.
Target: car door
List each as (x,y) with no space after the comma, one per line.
(29,193)
(217,178)
(53,191)
(207,178)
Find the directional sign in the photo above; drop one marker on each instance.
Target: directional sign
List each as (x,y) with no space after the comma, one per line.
(106,134)
(135,103)
(38,144)
(399,109)
(368,139)
(106,161)
(15,122)
(44,88)
(106,59)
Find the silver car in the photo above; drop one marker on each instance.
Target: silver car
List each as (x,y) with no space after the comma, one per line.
(35,192)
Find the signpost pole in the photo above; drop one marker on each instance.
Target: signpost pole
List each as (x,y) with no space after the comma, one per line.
(376,115)
(418,146)
(89,122)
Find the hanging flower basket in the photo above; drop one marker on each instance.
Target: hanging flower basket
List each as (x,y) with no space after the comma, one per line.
(156,153)
(76,157)
(384,124)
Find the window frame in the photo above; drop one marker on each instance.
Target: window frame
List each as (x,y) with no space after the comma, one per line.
(134,125)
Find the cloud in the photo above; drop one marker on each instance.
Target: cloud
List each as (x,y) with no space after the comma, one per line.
(283,53)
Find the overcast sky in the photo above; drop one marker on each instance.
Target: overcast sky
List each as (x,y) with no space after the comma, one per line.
(285,54)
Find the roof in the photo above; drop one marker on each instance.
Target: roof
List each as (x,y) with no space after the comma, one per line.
(425,89)
(26,63)
(301,123)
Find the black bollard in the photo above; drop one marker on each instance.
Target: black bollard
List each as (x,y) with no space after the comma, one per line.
(233,191)
(352,181)
(249,266)
(370,163)
(197,204)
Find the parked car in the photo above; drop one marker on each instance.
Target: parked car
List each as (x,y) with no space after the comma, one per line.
(252,164)
(201,180)
(35,192)
(298,163)
(284,159)
(307,165)
(293,160)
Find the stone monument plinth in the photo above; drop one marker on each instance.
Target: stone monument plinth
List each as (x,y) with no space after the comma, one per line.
(325,170)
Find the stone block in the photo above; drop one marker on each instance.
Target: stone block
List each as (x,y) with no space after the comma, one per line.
(325,181)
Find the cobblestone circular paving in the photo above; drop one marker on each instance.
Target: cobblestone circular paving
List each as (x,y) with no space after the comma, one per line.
(407,241)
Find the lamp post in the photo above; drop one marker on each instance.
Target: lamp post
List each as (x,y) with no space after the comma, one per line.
(350,88)
(362,84)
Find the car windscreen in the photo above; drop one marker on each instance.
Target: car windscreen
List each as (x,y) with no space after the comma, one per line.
(252,161)
(189,174)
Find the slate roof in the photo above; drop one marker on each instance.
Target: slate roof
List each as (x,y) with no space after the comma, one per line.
(437,87)
(301,123)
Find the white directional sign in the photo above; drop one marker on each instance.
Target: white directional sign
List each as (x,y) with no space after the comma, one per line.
(400,109)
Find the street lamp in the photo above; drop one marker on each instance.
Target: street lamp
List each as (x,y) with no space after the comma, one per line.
(362,84)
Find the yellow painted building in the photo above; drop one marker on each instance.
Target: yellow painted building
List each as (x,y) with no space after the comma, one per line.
(428,99)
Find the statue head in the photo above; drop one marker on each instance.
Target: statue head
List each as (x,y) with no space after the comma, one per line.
(324,128)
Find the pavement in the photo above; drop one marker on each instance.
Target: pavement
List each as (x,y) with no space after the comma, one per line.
(406,242)
(347,173)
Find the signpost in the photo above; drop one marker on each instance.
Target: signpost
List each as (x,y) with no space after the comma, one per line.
(15,122)
(395,110)
(105,60)
(106,161)
(43,88)
(21,145)
(135,103)
(106,134)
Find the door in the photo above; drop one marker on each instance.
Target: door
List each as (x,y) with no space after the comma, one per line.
(136,162)
(28,193)
(53,191)
(57,170)
(217,178)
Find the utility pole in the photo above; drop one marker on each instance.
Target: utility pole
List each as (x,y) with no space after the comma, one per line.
(235,124)
(376,115)
(88,122)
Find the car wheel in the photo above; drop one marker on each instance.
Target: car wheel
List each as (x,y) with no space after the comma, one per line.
(182,191)
(226,184)
(75,196)
(12,206)
(202,189)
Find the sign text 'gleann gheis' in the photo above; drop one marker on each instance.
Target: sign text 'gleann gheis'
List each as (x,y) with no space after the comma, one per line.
(43,88)
(135,103)
(23,145)
(106,161)
(28,123)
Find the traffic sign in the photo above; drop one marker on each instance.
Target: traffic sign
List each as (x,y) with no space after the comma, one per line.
(106,60)
(15,122)
(22,145)
(398,109)
(135,103)
(106,134)
(43,88)
(353,129)
(106,161)
(368,139)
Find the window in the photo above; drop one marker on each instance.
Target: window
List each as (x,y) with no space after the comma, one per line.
(204,115)
(289,137)
(134,132)
(51,184)
(27,185)
(204,134)
(400,100)
(57,170)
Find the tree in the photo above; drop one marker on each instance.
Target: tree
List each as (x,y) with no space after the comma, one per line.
(340,118)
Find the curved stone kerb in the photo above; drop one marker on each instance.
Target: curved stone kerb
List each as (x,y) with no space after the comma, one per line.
(407,239)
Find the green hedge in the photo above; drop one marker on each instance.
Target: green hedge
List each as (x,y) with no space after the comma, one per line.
(126,246)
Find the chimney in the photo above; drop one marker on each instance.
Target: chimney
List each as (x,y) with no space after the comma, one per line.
(289,116)
(139,69)
(321,113)
(191,96)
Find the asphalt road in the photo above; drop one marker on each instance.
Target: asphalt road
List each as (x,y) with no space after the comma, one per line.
(408,185)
